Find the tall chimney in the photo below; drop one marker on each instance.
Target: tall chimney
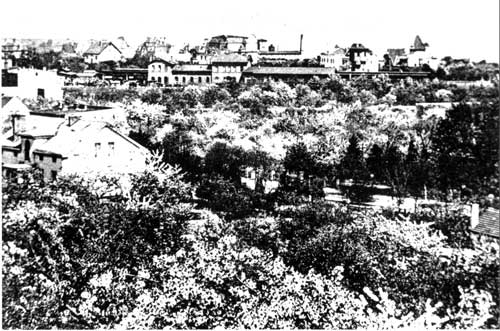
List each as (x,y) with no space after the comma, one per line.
(301,37)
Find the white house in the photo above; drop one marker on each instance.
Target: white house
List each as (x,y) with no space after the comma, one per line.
(420,55)
(335,59)
(81,147)
(160,71)
(228,66)
(32,83)
(12,107)
(102,51)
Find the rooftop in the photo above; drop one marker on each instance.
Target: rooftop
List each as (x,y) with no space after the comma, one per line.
(230,58)
(488,223)
(290,71)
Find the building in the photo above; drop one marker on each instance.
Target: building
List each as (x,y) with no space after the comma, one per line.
(228,67)
(160,72)
(420,54)
(12,108)
(102,51)
(361,59)
(228,43)
(137,75)
(335,59)
(274,54)
(75,142)
(32,83)
(395,58)
(485,223)
(81,146)
(189,74)
(284,73)
(155,48)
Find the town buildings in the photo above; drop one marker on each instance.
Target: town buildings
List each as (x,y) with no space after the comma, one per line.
(419,55)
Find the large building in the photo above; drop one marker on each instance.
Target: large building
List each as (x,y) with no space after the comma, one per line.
(362,59)
(32,83)
(228,67)
(228,43)
(69,144)
(284,73)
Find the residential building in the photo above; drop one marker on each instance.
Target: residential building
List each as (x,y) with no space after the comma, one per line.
(420,55)
(189,74)
(102,51)
(228,67)
(362,59)
(395,58)
(272,53)
(14,111)
(335,59)
(32,83)
(70,143)
(160,72)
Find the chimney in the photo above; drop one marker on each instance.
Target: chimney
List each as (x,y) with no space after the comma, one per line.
(301,37)
(474,215)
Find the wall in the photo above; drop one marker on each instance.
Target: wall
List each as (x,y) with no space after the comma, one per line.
(220,72)
(48,163)
(10,157)
(30,80)
(124,158)
(161,70)
(178,79)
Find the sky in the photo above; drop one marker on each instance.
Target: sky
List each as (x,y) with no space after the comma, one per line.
(459,28)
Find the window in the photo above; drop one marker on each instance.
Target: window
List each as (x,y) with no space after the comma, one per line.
(199,79)
(53,175)
(54,159)
(183,80)
(97,148)
(41,93)
(166,80)
(40,157)
(208,79)
(159,80)
(15,154)
(111,148)
(191,80)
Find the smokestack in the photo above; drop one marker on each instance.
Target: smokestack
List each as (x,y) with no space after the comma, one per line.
(301,37)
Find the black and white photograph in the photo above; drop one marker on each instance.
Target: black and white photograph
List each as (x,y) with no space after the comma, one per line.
(229,164)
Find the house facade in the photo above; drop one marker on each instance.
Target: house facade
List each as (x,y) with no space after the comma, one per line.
(335,59)
(32,83)
(228,67)
(362,59)
(102,51)
(420,54)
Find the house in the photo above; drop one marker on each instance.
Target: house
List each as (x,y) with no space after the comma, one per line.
(485,223)
(32,83)
(160,72)
(284,73)
(70,143)
(420,55)
(102,51)
(335,59)
(188,74)
(228,43)
(155,48)
(362,59)
(395,57)
(228,67)
(81,146)
(12,107)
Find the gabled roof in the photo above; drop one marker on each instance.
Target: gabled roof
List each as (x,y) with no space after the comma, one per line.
(68,138)
(418,45)
(159,60)
(41,126)
(97,48)
(5,100)
(230,58)
(396,55)
(358,48)
(489,223)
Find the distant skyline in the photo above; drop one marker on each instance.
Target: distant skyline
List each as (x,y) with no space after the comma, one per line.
(461,29)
